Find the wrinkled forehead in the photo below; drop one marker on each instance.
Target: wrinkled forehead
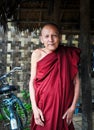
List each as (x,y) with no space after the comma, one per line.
(48,29)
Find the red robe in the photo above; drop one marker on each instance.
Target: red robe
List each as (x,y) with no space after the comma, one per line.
(54,87)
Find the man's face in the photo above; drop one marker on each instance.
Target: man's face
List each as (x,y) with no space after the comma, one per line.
(50,37)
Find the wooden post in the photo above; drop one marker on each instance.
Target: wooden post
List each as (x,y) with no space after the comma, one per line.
(56,12)
(85,64)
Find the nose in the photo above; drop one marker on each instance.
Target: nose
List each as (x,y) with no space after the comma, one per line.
(51,38)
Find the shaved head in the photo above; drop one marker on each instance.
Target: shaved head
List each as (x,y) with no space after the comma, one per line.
(53,25)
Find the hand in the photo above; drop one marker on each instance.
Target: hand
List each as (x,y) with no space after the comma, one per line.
(68,115)
(38,116)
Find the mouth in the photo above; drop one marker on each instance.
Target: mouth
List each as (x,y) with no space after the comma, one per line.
(51,44)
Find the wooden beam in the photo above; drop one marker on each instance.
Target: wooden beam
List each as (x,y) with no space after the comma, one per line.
(33,9)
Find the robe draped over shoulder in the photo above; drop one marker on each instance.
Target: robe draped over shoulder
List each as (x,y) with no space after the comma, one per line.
(54,87)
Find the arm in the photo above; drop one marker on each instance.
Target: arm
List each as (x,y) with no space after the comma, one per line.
(76,91)
(38,115)
(69,113)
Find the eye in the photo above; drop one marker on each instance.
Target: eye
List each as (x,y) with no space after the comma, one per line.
(46,36)
(55,35)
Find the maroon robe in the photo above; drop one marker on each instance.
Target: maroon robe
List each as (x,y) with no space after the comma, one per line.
(54,87)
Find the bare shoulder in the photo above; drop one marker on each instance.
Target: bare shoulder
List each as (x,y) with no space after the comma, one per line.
(36,55)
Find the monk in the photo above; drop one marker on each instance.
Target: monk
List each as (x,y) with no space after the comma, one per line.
(54,82)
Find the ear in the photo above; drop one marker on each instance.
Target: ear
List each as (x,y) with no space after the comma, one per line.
(40,37)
